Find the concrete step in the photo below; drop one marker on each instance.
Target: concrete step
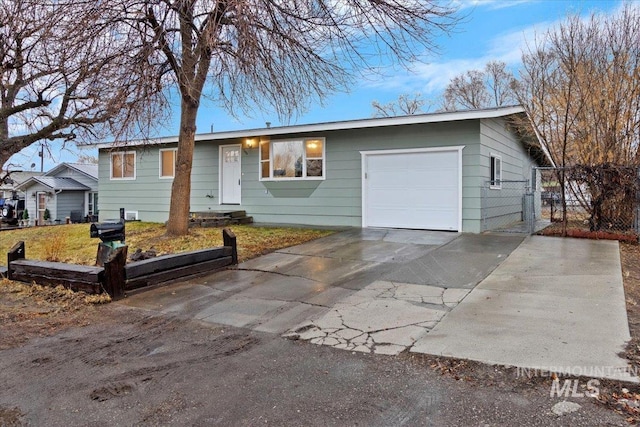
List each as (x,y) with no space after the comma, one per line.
(218,214)
(219,221)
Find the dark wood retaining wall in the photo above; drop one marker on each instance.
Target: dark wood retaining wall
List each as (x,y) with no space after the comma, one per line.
(117,276)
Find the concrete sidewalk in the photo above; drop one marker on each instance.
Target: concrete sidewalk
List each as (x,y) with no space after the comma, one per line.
(554,305)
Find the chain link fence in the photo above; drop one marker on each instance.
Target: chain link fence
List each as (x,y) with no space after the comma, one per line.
(510,206)
(591,199)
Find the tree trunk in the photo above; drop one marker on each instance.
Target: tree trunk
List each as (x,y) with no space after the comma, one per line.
(178,224)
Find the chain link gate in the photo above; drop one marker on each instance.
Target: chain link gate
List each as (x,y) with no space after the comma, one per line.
(510,206)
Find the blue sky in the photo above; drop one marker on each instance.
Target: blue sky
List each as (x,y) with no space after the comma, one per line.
(490,30)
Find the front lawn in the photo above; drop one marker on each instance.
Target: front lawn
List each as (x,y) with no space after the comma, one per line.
(71,243)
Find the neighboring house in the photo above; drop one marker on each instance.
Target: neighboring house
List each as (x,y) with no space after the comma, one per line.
(9,188)
(421,171)
(70,190)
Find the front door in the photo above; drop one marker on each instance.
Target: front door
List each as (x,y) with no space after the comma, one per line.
(42,205)
(230,176)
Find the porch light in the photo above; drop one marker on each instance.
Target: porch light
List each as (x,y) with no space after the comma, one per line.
(250,143)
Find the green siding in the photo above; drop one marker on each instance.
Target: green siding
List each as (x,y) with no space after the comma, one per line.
(502,206)
(337,200)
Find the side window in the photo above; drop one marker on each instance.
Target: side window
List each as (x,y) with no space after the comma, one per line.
(123,165)
(168,163)
(496,172)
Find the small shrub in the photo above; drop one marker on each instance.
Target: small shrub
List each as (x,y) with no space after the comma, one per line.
(54,246)
(25,214)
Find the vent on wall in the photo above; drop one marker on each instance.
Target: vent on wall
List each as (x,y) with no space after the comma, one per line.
(131,215)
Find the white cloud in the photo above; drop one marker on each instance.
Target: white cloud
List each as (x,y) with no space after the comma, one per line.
(432,78)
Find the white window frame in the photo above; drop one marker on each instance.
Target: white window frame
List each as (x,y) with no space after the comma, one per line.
(175,152)
(135,166)
(495,180)
(303,141)
(91,198)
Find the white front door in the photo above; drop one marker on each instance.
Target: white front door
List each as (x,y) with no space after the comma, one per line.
(230,175)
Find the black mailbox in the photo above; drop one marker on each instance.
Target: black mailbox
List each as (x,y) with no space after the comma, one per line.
(108,231)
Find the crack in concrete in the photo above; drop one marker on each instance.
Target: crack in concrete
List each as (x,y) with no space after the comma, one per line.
(395,333)
(279,274)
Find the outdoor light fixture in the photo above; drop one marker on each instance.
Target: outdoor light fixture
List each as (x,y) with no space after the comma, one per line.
(250,143)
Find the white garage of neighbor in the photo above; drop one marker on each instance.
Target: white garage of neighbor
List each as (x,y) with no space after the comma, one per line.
(413,188)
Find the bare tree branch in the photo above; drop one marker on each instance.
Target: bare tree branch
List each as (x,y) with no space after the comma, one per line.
(69,71)
(405,105)
(475,89)
(580,87)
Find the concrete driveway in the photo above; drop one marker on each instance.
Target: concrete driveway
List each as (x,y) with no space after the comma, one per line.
(367,290)
(555,305)
(386,291)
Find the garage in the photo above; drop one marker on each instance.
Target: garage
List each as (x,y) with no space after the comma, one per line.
(415,188)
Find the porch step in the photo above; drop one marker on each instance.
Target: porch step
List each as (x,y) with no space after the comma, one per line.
(218,214)
(219,218)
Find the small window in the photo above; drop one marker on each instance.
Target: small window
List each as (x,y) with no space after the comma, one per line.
(496,172)
(123,165)
(168,163)
(292,160)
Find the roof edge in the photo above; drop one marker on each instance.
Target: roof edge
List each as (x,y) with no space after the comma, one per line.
(70,166)
(440,117)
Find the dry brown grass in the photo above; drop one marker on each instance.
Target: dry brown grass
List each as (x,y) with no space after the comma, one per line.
(54,246)
(71,243)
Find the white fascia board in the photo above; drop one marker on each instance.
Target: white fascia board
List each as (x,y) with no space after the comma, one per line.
(333,126)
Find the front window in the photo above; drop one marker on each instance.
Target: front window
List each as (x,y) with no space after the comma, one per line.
(168,163)
(123,165)
(294,159)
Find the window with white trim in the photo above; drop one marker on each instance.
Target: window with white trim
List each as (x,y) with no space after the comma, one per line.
(168,162)
(299,159)
(123,165)
(93,203)
(496,172)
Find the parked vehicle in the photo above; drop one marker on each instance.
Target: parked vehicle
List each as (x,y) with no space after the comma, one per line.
(12,211)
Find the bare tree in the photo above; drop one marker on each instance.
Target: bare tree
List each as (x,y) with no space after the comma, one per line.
(69,73)
(405,105)
(87,159)
(475,89)
(580,87)
(282,55)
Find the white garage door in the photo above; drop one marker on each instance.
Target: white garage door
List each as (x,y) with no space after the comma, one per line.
(412,189)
